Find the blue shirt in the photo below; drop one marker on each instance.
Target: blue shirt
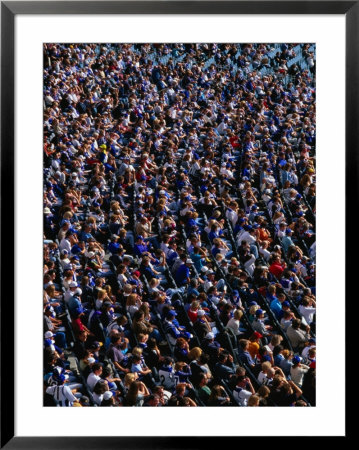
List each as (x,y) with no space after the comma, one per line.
(140,248)
(245,357)
(276,307)
(182,274)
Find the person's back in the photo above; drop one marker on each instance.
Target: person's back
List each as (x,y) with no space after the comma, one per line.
(297,373)
(296,336)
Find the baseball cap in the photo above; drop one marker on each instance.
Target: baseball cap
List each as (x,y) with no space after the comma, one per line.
(201,312)
(259,312)
(95,344)
(189,261)
(171,313)
(187,335)
(63,377)
(252,303)
(107,395)
(296,359)
(204,269)
(73,284)
(209,335)
(49,334)
(257,335)
(286,303)
(140,237)
(91,360)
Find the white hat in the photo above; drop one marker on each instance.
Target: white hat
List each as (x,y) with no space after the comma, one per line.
(107,395)
(91,254)
(48,334)
(210,335)
(204,269)
(91,360)
(73,284)
(201,312)
(189,261)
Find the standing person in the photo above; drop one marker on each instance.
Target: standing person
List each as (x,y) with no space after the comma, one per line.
(61,393)
(243,390)
(298,370)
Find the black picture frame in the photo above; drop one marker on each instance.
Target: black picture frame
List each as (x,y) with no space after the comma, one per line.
(9,10)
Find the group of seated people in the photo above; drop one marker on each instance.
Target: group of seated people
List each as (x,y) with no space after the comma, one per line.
(179,226)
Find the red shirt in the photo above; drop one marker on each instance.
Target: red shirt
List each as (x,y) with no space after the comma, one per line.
(276,269)
(192,315)
(77,325)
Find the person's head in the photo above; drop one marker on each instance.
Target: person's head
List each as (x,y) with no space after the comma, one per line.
(237,315)
(243,344)
(259,314)
(137,351)
(138,316)
(277,350)
(82,336)
(223,357)
(108,399)
(195,353)
(101,387)
(253,400)
(116,340)
(129,378)
(181,343)
(153,400)
(276,339)
(296,324)
(180,389)
(97,368)
(266,366)
(263,391)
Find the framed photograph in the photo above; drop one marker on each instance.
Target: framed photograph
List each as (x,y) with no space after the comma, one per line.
(175,180)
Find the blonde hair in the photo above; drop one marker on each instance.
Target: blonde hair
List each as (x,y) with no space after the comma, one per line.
(131,300)
(195,353)
(129,378)
(266,365)
(276,339)
(253,400)
(101,293)
(137,351)
(237,314)
(253,309)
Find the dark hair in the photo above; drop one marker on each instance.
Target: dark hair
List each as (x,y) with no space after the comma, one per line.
(277,349)
(100,387)
(96,366)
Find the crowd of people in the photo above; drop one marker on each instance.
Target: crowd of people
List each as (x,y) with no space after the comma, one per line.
(179,225)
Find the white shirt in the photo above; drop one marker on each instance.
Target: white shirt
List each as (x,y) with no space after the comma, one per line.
(62,395)
(92,379)
(297,374)
(241,396)
(307,312)
(234,325)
